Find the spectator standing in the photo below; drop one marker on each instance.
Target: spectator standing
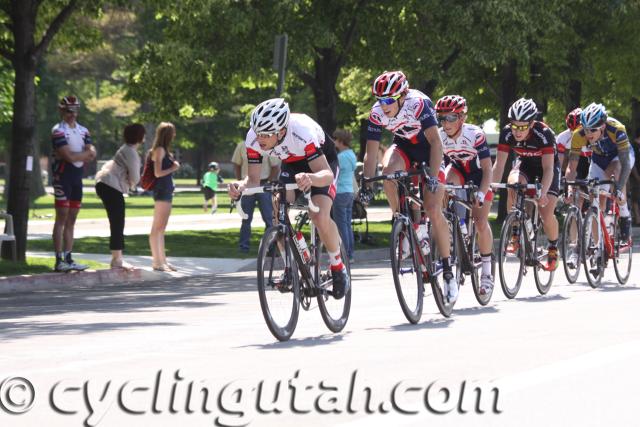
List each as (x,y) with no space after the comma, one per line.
(116,178)
(164,165)
(210,182)
(72,147)
(269,172)
(343,203)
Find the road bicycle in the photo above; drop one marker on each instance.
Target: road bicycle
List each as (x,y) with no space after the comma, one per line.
(523,242)
(571,232)
(413,261)
(601,237)
(291,275)
(465,250)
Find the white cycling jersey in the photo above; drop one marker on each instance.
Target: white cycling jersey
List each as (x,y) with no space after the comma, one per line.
(303,141)
(416,114)
(563,141)
(467,149)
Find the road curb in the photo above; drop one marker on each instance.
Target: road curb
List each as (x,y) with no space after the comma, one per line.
(48,281)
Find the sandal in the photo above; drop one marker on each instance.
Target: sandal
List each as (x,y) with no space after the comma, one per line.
(171,267)
(162,267)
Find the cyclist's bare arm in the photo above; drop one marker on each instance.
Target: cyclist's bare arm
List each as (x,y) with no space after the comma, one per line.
(371,158)
(570,173)
(498,166)
(487,174)
(251,180)
(435,158)
(322,175)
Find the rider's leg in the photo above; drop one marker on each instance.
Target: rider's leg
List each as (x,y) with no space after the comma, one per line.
(326,227)
(393,161)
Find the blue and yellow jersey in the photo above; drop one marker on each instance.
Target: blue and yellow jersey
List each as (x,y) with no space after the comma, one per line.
(613,141)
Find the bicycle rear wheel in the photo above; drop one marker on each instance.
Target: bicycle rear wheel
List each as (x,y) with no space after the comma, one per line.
(278,284)
(623,253)
(334,312)
(592,251)
(509,259)
(476,268)
(570,245)
(407,270)
(542,276)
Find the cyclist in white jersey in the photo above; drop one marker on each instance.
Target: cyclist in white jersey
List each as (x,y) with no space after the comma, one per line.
(409,115)
(309,158)
(469,161)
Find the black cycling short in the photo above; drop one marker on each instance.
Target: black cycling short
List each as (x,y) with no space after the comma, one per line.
(583,167)
(288,173)
(531,172)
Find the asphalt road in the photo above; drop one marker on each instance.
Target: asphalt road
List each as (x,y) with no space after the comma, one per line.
(141,354)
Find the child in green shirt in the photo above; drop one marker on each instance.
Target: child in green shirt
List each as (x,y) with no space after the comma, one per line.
(210,182)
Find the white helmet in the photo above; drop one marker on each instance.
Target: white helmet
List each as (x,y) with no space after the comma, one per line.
(523,110)
(270,116)
(593,115)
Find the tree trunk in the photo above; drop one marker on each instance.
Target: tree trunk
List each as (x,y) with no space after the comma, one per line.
(508,93)
(22,143)
(575,93)
(324,89)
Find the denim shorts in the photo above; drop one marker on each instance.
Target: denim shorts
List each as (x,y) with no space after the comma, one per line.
(162,194)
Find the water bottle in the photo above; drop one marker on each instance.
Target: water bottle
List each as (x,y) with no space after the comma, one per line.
(463,227)
(529,226)
(423,238)
(303,249)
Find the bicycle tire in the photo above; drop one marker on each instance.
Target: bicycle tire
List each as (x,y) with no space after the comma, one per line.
(288,287)
(592,253)
(334,312)
(540,253)
(411,305)
(476,266)
(626,250)
(568,247)
(505,237)
(445,307)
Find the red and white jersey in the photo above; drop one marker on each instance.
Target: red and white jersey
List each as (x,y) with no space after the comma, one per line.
(304,140)
(416,115)
(467,149)
(563,141)
(75,137)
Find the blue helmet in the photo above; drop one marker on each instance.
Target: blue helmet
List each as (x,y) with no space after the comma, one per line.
(593,115)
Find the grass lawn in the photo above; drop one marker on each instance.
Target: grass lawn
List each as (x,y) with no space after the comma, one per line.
(188,202)
(202,244)
(37,265)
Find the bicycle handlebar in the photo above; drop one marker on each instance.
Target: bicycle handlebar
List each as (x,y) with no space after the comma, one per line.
(273,188)
(421,170)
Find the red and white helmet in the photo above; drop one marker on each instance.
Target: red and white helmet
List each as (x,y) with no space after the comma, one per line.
(69,102)
(389,83)
(573,118)
(452,104)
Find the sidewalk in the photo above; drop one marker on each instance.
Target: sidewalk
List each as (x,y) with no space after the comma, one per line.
(187,267)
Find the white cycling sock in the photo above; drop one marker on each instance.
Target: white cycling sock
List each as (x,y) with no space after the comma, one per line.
(624,211)
(334,258)
(486,265)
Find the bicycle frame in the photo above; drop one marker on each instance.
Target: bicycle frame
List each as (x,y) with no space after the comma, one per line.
(451,214)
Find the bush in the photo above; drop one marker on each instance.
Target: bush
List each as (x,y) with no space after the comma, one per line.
(185,171)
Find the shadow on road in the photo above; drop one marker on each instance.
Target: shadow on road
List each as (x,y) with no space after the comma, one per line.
(24,311)
(436,323)
(301,342)
(542,298)
(470,311)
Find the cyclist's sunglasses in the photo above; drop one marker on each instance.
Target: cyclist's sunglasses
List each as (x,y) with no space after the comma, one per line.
(593,129)
(448,118)
(266,134)
(520,128)
(388,100)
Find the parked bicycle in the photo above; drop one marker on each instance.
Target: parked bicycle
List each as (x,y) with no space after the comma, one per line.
(292,274)
(413,261)
(465,250)
(523,242)
(601,237)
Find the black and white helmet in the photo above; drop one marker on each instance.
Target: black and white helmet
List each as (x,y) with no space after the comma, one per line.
(270,116)
(523,110)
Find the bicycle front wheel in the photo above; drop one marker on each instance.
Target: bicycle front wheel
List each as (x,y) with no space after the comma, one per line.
(278,284)
(407,270)
(542,276)
(438,286)
(476,268)
(623,253)
(334,312)
(592,249)
(570,245)
(511,254)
